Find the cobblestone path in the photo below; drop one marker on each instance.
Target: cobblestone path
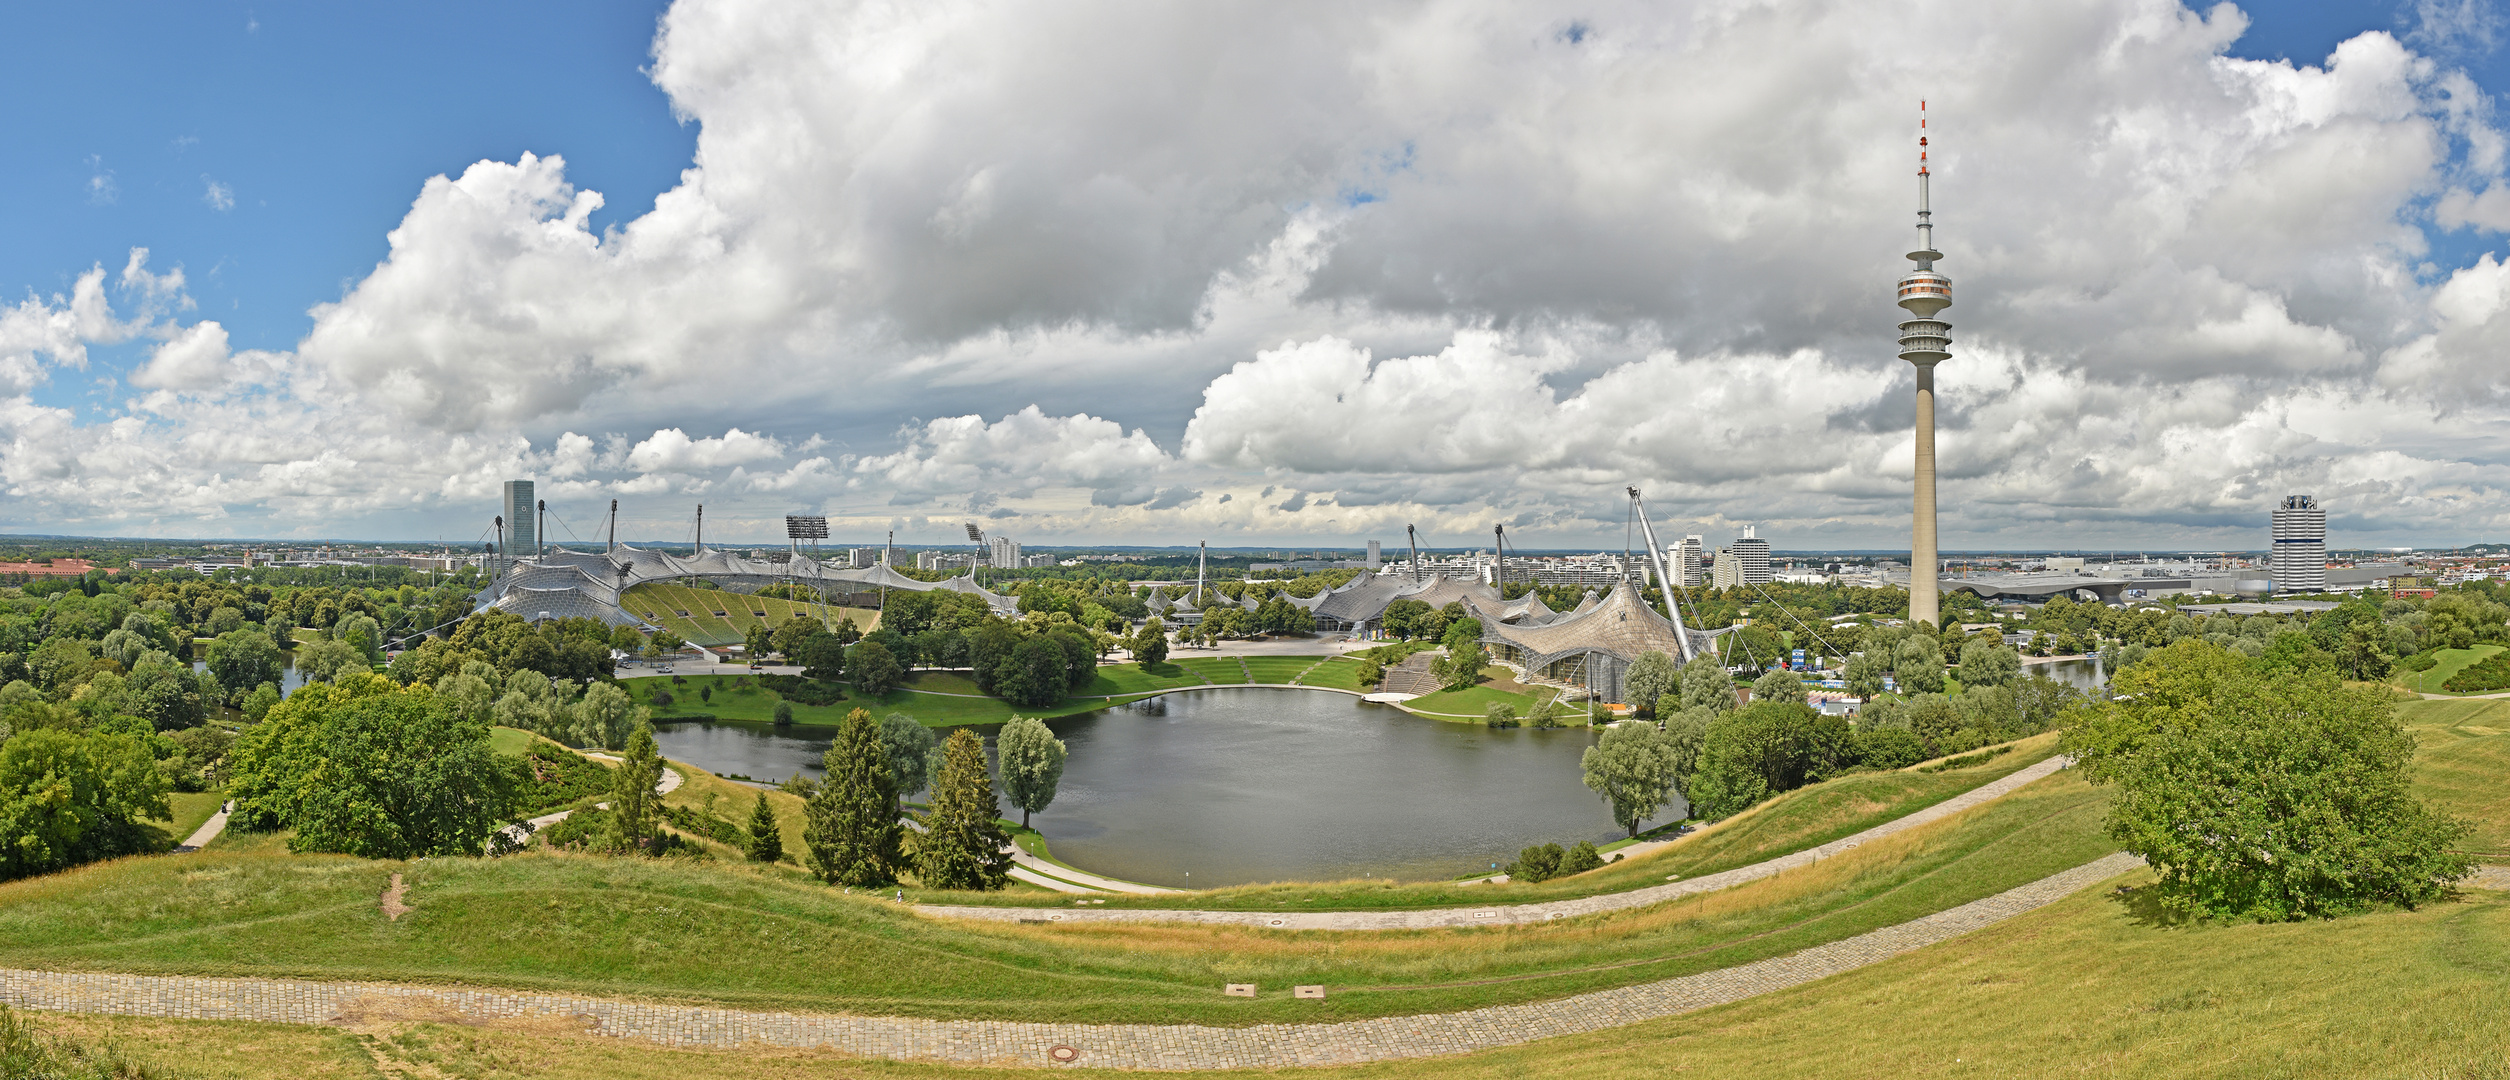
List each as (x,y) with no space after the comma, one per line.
(1502,914)
(1136,1046)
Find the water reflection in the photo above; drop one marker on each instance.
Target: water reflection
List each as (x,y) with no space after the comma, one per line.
(1241,785)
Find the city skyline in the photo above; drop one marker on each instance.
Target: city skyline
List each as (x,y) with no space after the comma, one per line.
(1128,327)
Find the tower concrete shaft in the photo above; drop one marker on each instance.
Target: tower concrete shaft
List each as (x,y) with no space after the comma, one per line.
(1924,341)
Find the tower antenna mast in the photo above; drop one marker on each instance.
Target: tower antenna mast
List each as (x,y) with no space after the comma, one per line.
(1924,341)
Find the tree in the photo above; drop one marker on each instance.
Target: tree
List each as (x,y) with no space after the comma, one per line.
(871,668)
(847,633)
(962,846)
(635,804)
(1756,751)
(1919,663)
(758,642)
(1779,684)
(1032,764)
(367,768)
(766,838)
(1032,677)
(1987,662)
(909,745)
(1933,720)
(789,634)
(1652,676)
(1461,669)
(1705,685)
(852,827)
(608,718)
(1150,646)
(783,716)
(2263,794)
(1632,767)
(2362,654)
(67,798)
(821,655)
(1581,858)
(663,643)
(1399,616)
(1686,730)
(325,660)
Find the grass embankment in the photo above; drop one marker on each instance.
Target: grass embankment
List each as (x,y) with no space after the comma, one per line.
(2462,765)
(717,617)
(760,938)
(1804,818)
(192,809)
(2086,986)
(1339,673)
(2451,662)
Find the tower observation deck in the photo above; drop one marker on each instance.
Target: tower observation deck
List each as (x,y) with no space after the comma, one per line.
(1924,341)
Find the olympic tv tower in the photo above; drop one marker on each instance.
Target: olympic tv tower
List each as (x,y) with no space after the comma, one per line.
(1923,342)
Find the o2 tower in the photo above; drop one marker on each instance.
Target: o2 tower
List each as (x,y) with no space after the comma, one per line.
(1924,341)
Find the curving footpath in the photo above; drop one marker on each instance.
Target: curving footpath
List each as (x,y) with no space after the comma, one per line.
(1506,914)
(1134,1046)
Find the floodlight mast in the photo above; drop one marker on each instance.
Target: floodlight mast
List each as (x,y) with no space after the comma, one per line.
(1412,536)
(542,529)
(614,529)
(1664,581)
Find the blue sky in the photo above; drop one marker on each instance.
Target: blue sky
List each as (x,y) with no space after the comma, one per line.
(1071,269)
(320,120)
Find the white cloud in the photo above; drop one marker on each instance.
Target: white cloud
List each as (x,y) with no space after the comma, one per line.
(216,196)
(1447,262)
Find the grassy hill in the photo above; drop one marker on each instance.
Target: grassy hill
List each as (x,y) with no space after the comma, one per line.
(2451,662)
(717,617)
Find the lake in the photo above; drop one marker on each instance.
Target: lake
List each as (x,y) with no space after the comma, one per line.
(1230,786)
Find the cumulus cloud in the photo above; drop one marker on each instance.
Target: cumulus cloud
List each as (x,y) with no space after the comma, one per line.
(1458,263)
(216,196)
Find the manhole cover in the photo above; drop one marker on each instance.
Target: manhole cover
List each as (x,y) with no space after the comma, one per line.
(1063,1053)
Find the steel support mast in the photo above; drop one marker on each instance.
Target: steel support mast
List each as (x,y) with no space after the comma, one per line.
(1664,581)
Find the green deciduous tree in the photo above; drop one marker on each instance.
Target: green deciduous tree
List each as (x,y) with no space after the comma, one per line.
(765,841)
(1779,684)
(1032,764)
(962,846)
(1632,767)
(1150,644)
(67,798)
(757,642)
(1652,676)
(368,768)
(872,668)
(242,660)
(2265,794)
(1033,675)
(909,746)
(635,804)
(1705,685)
(852,830)
(1536,864)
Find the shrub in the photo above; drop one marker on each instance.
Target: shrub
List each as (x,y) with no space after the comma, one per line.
(1967,760)
(1499,715)
(2492,673)
(1887,748)
(700,823)
(1538,864)
(784,713)
(1581,859)
(799,690)
(2265,793)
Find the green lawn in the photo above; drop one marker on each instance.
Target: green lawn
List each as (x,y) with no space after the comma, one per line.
(192,809)
(1217,669)
(2452,661)
(1474,701)
(1279,669)
(2092,985)
(1130,678)
(2462,757)
(933,698)
(723,932)
(662,602)
(1339,673)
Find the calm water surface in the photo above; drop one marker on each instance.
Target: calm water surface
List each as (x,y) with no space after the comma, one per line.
(1233,786)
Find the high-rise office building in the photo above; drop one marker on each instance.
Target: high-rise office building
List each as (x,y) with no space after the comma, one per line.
(1376,557)
(861,557)
(1726,572)
(1002,551)
(1690,561)
(2299,560)
(520,539)
(1752,553)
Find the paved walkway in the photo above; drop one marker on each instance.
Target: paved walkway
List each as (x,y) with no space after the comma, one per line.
(1504,914)
(1133,1046)
(209,829)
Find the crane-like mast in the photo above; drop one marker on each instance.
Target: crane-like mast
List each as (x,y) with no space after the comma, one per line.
(1664,580)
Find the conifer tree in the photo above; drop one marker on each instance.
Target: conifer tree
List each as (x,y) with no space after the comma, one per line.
(963,844)
(853,828)
(766,840)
